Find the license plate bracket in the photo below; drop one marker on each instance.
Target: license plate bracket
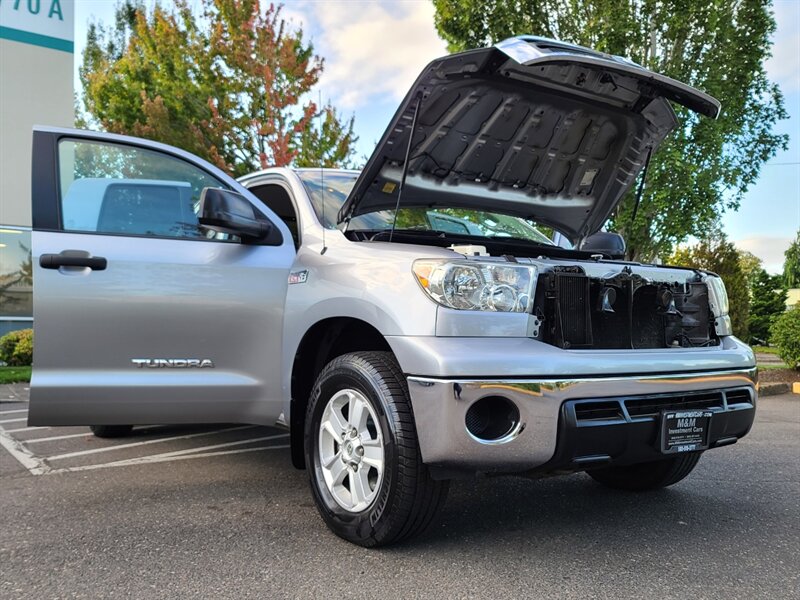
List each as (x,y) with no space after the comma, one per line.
(685,430)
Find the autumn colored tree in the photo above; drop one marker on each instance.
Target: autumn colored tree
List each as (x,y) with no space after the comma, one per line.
(705,166)
(718,255)
(233,84)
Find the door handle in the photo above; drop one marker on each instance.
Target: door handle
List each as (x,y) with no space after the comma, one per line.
(56,261)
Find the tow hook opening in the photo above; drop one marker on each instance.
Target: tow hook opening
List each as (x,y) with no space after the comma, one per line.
(493,420)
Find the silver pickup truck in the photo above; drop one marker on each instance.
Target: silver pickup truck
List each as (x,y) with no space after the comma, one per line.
(411,323)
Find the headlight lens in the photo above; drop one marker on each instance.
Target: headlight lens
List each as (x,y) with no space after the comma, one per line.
(717,295)
(472,285)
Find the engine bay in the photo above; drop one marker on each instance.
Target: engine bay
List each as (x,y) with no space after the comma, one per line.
(607,306)
(621,310)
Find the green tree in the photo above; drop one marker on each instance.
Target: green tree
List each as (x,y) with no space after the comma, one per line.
(791,266)
(785,334)
(230,84)
(767,302)
(718,255)
(751,266)
(705,166)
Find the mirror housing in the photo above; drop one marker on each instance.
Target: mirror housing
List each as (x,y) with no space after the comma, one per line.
(607,243)
(230,212)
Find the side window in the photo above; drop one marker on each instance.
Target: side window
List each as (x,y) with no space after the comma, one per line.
(119,189)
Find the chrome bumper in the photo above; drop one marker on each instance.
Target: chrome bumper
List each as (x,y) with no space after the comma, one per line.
(440,407)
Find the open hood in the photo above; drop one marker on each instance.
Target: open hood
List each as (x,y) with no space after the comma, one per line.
(530,127)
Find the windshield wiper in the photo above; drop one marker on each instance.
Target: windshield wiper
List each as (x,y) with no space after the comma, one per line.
(547,244)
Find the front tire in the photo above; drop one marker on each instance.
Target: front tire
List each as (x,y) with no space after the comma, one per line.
(111,431)
(364,462)
(647,476)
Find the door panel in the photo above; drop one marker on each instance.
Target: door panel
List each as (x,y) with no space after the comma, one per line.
(178,327)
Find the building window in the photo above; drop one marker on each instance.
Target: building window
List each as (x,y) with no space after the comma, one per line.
(16,274)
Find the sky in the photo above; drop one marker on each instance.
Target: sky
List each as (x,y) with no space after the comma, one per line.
(373,51)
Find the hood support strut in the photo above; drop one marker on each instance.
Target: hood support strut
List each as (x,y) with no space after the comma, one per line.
(641,186)
(405,165)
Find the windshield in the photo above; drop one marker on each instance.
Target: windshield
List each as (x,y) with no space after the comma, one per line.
(461,221)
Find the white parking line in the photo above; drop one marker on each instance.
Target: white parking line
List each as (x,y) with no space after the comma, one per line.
(24,456)
(9,412)
(77,435)
(56,437)
(14,420)
(39,465)
(25,429)
(161,458)
(147,442)
(213,447)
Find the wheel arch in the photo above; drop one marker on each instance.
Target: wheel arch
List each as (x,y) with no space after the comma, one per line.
(322,342)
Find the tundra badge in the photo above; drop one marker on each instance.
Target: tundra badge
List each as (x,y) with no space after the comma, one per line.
(173,363)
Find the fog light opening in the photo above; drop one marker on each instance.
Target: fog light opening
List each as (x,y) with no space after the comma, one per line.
(493,420)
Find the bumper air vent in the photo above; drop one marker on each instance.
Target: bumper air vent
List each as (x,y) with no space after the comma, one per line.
(738,397)
(598,411)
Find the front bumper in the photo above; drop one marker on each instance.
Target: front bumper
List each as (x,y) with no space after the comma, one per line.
(574,424)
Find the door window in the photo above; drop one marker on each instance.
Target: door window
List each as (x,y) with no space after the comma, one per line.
(126,190)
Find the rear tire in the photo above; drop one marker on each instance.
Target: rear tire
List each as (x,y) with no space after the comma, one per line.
(111,431)
(362,454)
(647,476)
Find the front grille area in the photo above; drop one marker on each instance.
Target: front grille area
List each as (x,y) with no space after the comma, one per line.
(638,407)
(650,407)
(621,310)
(573,309)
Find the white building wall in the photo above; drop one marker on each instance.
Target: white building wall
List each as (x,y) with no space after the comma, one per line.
(36,75)
(35,88)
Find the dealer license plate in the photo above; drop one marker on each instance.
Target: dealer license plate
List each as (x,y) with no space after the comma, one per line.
(685,430)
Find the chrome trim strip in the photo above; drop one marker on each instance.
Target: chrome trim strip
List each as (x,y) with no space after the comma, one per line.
(749,372)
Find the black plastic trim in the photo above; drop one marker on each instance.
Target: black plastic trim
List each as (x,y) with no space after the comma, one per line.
(56,261)
(630,441)
(45,209)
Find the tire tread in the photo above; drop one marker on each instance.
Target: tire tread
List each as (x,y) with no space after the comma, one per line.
(419,498)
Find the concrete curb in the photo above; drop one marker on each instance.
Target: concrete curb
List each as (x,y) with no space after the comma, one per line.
(774,389)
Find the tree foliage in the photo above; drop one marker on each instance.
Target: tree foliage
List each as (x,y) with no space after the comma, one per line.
(785,334)
(791,266)
(719,46)
(720,256)
(751,266)
(230,84)
(767,302)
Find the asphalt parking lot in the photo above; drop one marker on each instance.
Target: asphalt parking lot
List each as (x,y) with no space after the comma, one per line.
(218,512)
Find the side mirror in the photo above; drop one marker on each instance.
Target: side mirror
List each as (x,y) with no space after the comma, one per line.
(230,212)
(606,243)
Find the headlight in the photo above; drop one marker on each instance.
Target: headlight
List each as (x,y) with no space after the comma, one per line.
(471,285)
(717,295)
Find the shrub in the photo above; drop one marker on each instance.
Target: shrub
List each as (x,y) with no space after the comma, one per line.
(16,348)
(785,334)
